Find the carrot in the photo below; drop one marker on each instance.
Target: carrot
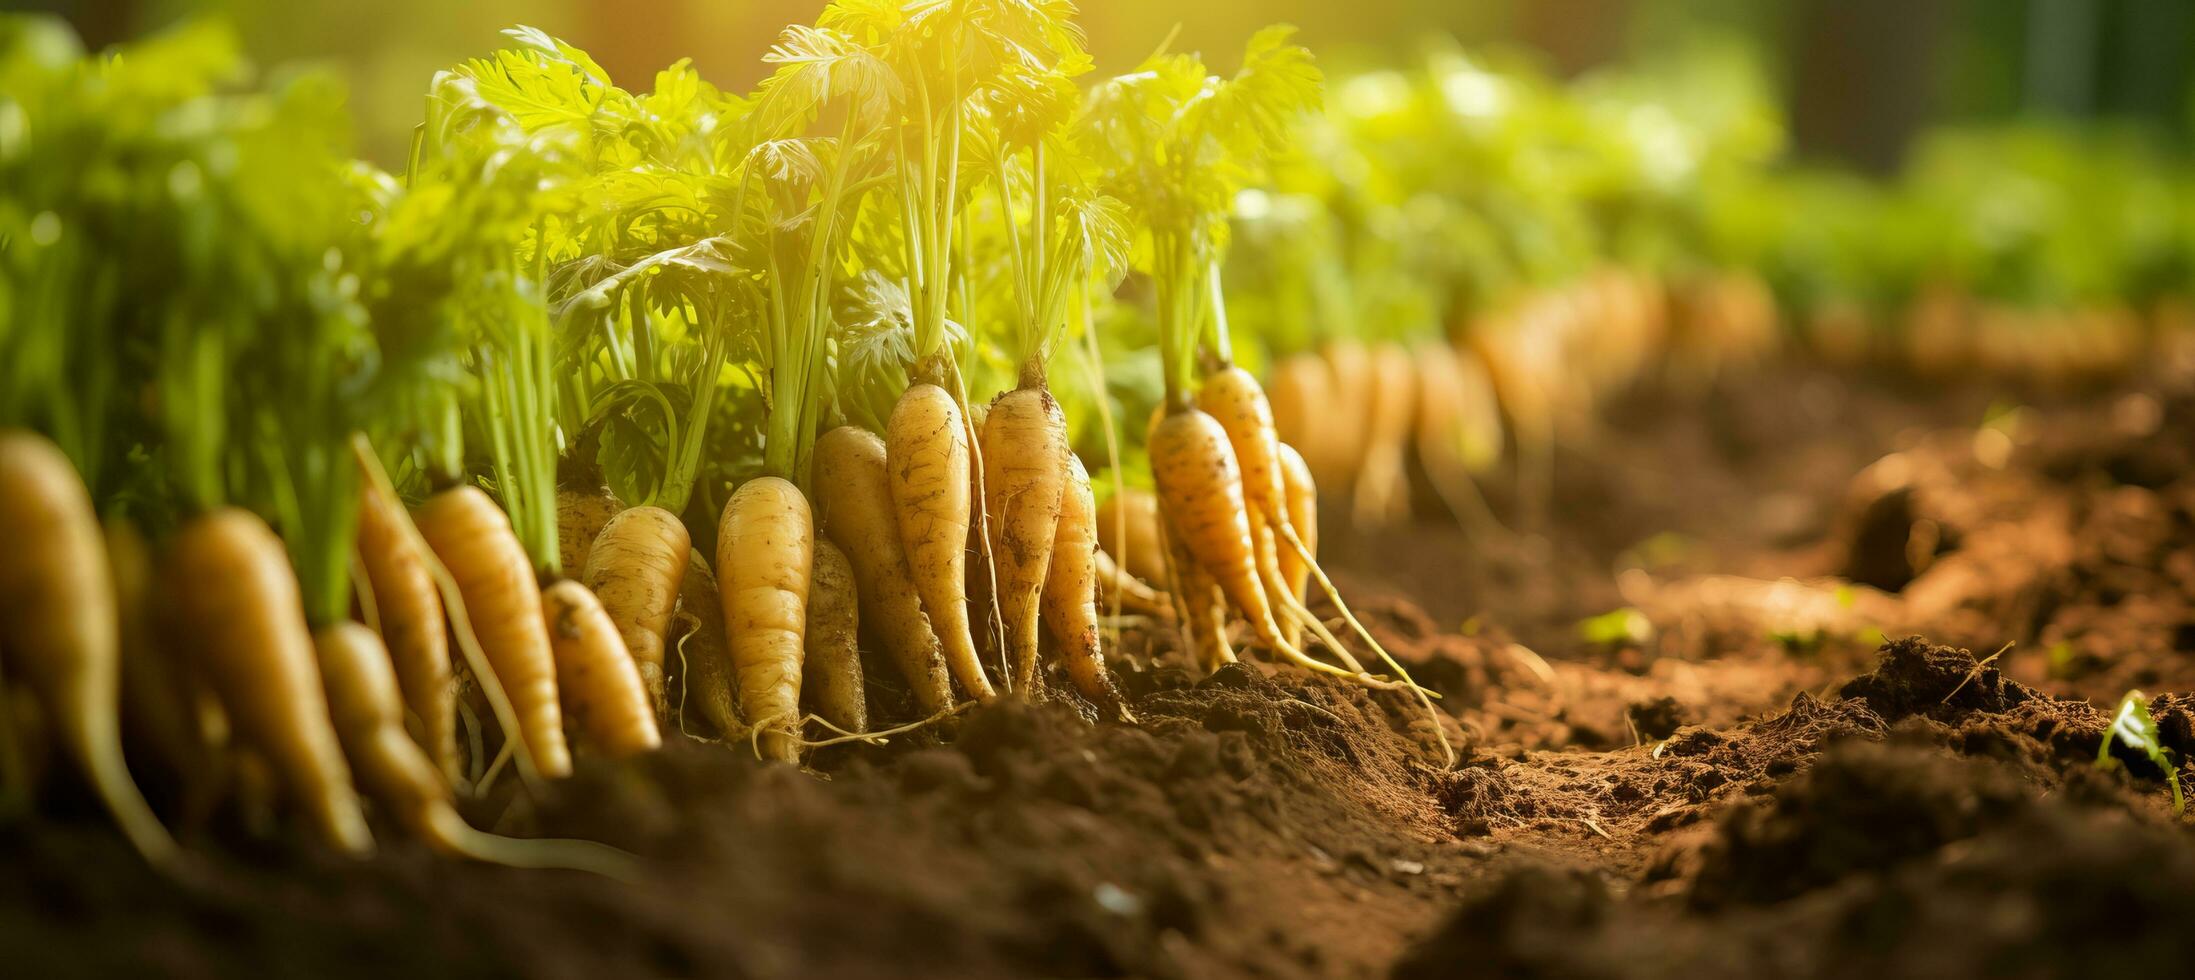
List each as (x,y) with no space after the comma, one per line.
(1457,431)
(368,717)
(764,552)
(408,611)
(473,539)
(1131,594)
(1348,411)
(636,567)
(58,625)
(1525,401)
(926,456)
(854,505)
(1070,595)
(1939,330)
(704,652)
(1302,496)
(1128,529)
(1200,607)
(1025,461)
(1302,399)
(237,602)
(832,674)
(1200,493)
(580,517)
(159,696)
(1383,485)
(601,688)
(1233,398)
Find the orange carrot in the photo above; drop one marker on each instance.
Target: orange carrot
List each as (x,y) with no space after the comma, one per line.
(926,452)
(236,601)
(58,624)
(580,517)
(765,550)
(1383,484)
(1025,472)
(161,698)
(1070,596)
(831,676)
(600,686)
(704,652)
(473,539)
(1302,498)
(1131,593)
(636,567)
(408,611)
(368,719)
(1128,529)
(854,506)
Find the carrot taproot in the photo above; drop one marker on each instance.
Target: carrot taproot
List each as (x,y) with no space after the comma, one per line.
(764,553)
(636,567)
(580,517)
(1025,461)
(473,539)
(600,686)
(704,654)
(1459,415)
(59,626)
(1302,499)
(1382,492)
(1200,494)
(1302,397)
(854,507)
(1070,595)
(926,456)
(409,614)
(367,712)
(1350,374)
(1233,398)
(1200,606)
(831,677)
(1128,529)
(237,602)
(159,696)
(1117,588)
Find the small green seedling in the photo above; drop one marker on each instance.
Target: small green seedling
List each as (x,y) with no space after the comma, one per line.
(1618,627)
(2133,726)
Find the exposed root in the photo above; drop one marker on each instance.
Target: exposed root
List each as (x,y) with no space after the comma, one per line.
(1425,697)
(880,736)
(452,832)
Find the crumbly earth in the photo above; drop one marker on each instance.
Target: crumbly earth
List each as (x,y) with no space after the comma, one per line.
(1867,639)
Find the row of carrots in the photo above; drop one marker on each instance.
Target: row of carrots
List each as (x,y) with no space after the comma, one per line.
(204,651)
(300,625)
(1511,380)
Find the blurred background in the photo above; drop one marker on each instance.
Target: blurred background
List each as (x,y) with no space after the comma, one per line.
(1859,77)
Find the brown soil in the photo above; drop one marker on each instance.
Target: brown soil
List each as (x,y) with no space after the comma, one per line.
(1764,773)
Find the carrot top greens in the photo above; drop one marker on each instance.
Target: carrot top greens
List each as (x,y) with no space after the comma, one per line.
(1177,144)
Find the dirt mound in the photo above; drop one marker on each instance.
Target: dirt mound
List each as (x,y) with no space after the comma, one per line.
(1034,843)
(2054,890)
(1920,679)
(1938,820)
(1863,808)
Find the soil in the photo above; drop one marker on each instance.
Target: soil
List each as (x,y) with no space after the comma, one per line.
(1852,648)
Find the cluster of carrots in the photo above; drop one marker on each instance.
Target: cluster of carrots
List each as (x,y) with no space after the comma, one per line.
(315,514)
(1470,256)
(621,415)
